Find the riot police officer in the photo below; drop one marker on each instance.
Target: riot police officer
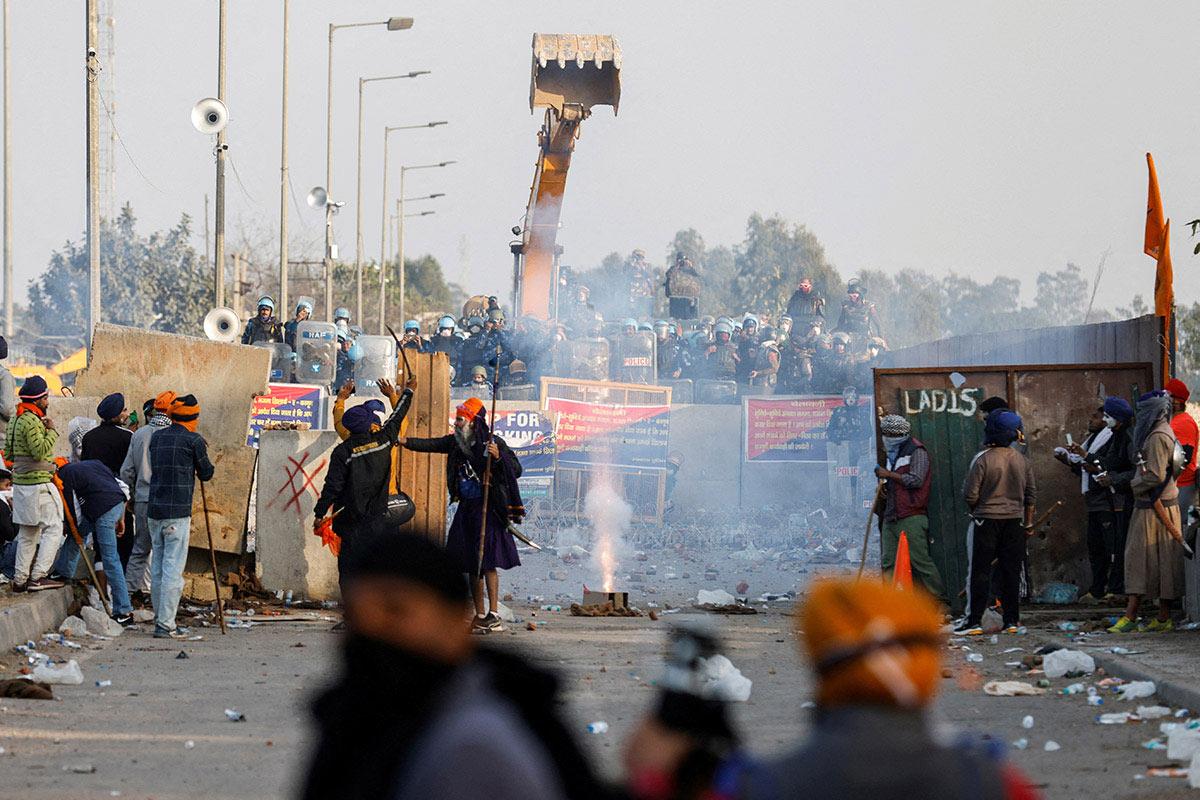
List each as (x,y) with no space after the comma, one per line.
(264,326)
(796,361)
(682,284)
(445,341)
(766,362)
(634,361)
(722,354)
(858,317)
(303,312)
(836,370)
(411,340)
(747,348)
(806,304)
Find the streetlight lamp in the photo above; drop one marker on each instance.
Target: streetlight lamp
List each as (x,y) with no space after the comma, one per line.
(358,239)
(383,213)
(392,24)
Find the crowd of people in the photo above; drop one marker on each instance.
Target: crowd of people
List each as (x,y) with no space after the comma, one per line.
(801,351)
(127,486)
(1137,477)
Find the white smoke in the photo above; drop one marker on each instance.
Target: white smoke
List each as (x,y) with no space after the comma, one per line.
(610,516)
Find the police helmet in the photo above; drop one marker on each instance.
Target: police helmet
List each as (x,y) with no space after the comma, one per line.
(707,321)
(474,322)
(266,302)
(341,312)
(446,321)
(662,325)
(478,369)
(841,337)
(750,319)
(727,320)
(767,334)
(583,289)
(412,325)
(495,315)
(856,285)
(645,326)
(723,326)
(303,305)
(629,322)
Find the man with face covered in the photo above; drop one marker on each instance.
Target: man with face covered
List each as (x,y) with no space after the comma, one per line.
(470,449)
(909,475)
(1104,465)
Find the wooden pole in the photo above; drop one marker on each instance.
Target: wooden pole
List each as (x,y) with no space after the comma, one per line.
(79,543)
(487,472)
(862,561)
(212,555)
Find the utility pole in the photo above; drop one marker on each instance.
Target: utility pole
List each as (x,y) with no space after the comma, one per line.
(8,261)
(219,242)
(92,78)
(283,176)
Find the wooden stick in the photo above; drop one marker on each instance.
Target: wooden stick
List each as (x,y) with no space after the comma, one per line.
(79,543)
(212,555)
(487,471)
(862,562)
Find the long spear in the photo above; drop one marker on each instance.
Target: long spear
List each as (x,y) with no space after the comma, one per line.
(487,471)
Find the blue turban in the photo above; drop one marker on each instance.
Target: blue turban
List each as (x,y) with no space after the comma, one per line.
(359,419)
(1118,408)
(1001,427)
(375,406)
(111,406)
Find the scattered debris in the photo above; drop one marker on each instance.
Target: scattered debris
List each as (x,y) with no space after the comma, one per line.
(1064,663)
(100,623)
(1136,690)
(722,680)
(1012,689)
(603,610)
(67,674)
(73,626)
(26,689)
(233,715)
(600,726)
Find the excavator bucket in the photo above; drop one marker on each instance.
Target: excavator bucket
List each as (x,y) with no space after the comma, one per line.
(574,70)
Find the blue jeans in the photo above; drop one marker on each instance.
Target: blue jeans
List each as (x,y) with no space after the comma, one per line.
(104,541)
(169,546)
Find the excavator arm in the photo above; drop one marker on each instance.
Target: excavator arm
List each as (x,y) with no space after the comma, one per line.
(570,74)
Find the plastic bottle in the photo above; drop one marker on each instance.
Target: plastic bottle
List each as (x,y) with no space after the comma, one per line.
(1027,722)
(1021,744)
(600,726)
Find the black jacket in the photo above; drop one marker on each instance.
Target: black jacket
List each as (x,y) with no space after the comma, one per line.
(504,497)
(1115,458)
(359,468)
(108,442)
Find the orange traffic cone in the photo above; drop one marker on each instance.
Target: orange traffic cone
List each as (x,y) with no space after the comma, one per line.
(902,575)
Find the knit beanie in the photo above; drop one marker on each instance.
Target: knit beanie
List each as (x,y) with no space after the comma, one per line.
(34,388)
(894,425)
(186,411)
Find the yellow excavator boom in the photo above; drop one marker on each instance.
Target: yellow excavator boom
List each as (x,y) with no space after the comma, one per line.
(571,73)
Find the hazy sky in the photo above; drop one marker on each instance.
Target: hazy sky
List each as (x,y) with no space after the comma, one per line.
(987,138)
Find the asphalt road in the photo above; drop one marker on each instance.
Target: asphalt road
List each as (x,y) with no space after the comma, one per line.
(136,732)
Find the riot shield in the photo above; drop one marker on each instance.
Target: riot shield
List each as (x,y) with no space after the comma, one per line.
(317,359)
(282,361)
(589,359)
(633,361)
(378,361)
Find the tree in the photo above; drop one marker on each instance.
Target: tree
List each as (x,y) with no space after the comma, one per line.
(771,260)
(158,282)
(1061,297)
(910,305)
(1187,330)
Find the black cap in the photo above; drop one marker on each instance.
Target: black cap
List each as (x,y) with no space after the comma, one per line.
(407,556)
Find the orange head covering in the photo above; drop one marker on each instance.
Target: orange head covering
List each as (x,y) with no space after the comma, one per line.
(1178,390)
(186,411)
(162,403)
(871,643)
(471,408)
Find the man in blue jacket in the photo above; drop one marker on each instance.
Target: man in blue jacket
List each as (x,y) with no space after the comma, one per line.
(92,488)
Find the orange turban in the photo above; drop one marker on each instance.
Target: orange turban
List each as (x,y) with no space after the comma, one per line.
(471,408)
(162,403)
(872,644)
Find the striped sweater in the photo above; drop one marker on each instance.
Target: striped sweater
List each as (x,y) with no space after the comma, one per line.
(29,445)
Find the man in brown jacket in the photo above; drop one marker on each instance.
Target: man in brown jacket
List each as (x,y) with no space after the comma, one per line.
(1000,493)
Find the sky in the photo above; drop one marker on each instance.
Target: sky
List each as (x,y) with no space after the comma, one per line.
(984,138)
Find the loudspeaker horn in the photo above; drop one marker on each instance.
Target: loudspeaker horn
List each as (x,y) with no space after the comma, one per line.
(318,197)
(210,115)
(221,325)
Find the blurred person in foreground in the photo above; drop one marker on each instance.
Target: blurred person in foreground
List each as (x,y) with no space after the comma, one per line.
(877,655)
(1154,549)
(876,652)
(418,712)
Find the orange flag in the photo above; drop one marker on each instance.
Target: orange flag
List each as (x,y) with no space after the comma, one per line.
(1164,277)
(1153,243)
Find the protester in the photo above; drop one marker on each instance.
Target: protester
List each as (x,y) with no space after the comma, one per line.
(8,531)
(418,712)
(908,474)
(471,450)
(109,443)
(1000,493)
(90,487)
(876,652)
(1104,467)
(357,481)
(1154,551)
(135,472)
(8,388)
(178,455)
(1187,433)
(373,405)
(37,505)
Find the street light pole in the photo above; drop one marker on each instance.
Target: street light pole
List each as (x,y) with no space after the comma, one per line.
(92,77)
(392,24)
(400,211)
(358,237)
(383,213)
(283,174)
(219,240)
